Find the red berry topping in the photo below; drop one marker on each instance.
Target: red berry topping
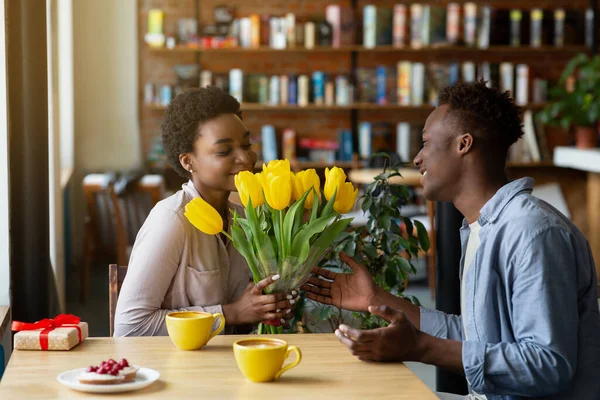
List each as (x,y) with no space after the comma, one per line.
(111,362)
(102,370)
(123,363)
(91,368)
(114,372)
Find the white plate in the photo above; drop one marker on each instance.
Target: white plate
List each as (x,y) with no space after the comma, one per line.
(144,377)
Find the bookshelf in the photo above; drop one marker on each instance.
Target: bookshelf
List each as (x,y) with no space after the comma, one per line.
(324,121)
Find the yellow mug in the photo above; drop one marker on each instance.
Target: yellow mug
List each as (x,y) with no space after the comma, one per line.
(191,330)
(261,359)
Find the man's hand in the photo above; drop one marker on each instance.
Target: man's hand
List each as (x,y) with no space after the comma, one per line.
(400,341)
(353,292)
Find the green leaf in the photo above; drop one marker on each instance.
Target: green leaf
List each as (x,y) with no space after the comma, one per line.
(326,238)
(247,229)
(391,276)
(301,242)
(350,248)
(370,251)
(244,247)
(328,209)
(366,204)
(294,213)
(423,236)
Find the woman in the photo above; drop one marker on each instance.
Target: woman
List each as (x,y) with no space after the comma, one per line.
(174,266)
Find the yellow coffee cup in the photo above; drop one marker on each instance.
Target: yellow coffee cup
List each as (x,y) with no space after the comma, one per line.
(191,330)
(261,359)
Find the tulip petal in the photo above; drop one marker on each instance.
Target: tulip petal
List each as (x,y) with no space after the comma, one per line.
(203,216)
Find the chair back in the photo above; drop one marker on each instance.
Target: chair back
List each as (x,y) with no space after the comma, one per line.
(116,276)
(132,200)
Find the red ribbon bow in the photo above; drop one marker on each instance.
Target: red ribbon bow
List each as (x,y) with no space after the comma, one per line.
(47,325)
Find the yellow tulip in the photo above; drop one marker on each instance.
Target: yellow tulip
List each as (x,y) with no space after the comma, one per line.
(305,180)
(203,216)
(334,179)
(249,187)
(277,167)
(276,181)
(345,198)
(297,190)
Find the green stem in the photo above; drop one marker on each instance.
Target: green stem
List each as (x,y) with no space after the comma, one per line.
(228,235)
(281,235)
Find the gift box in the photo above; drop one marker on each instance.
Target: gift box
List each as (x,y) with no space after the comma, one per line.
(63,332)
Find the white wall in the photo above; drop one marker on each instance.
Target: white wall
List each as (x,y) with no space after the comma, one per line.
(106,109)
(4,205)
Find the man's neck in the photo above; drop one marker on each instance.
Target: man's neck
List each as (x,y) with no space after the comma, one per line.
(476,191)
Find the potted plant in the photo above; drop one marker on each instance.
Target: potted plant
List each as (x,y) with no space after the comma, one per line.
(385,246)
(575,101)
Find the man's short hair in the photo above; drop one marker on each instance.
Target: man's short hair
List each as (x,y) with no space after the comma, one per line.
(491,116)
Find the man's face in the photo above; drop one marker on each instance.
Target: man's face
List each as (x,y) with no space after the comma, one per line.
(438,160)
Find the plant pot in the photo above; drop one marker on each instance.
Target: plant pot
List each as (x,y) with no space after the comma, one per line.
(586,137)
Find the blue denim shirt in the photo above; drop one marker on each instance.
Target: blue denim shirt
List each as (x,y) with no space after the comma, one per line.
(531,303)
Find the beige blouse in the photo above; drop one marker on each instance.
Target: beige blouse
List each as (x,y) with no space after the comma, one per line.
(175,267)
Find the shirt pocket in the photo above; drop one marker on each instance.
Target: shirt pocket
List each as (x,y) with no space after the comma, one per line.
(203,288)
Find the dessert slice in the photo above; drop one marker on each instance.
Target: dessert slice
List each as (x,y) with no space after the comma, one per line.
(109,372)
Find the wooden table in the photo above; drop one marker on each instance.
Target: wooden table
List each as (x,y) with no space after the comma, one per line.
(364,176)
(327,370)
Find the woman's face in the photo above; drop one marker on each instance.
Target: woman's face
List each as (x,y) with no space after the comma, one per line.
(222,149)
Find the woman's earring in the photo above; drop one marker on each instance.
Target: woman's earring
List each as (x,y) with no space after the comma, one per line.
(191,171)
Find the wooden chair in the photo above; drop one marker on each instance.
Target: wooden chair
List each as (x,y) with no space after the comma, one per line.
(98,230)
(116,276)
(131,204)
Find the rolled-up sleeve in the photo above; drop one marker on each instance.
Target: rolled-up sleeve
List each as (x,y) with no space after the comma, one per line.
(544,320)
(441,325)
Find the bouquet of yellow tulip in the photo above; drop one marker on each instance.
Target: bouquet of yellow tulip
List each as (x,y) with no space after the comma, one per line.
(277,236)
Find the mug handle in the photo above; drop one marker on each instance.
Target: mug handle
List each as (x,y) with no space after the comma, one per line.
(293,364)
(220,327)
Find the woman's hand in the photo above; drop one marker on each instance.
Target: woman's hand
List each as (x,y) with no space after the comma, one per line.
(254,306)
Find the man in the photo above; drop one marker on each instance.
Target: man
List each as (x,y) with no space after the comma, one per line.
(530,325)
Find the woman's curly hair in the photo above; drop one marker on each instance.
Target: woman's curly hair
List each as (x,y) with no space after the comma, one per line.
(490,115)
(183,116)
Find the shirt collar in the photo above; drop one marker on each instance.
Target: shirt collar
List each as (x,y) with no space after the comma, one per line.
(494,207)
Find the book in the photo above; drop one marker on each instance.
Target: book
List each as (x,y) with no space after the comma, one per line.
(341,91)
(468,71)
(383,26)
(329,92)
(426,25)
(404,72)
(416,26)
(325,34)
(347,26)
(381,86)
(536,16)
(484,23)
(364,140)
(437,29)
(245,32)
(470,27)
(522,85)
(452,23)
(515,27)
(438,77)
(540,134)
(292,90)
(530,137)
(290,30)
(318,79)
(334,17)
(399,29)
(453,73)
(274,90)
(507,78)
(265,30)
(589,27)
(346,145)
(254,30)
(205,78)
(303,90)
(289,143)
(283,89)
(269,143)
(485,72)
(236,84)
(403,133)
(540,90)
(187,30)
(559,27)
(418,84)
(309,35)
(369,26)
(263,89)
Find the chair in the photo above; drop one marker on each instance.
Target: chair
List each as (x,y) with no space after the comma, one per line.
(116,276)
(132,199)
(98,230)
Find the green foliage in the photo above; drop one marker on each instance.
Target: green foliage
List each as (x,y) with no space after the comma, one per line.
(581,106)
(382,246)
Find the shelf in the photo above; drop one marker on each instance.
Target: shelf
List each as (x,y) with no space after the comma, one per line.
(530,164)
(444,49)
(355,106)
